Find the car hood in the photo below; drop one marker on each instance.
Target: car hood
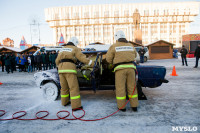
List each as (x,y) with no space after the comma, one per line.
(46,75)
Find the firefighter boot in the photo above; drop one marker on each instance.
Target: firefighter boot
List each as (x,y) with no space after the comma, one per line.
(68,103)
(123,110)
(79,108)
(134,109)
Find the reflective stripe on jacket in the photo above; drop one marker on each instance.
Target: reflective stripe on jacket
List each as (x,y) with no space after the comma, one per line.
(121,52)
(73,53)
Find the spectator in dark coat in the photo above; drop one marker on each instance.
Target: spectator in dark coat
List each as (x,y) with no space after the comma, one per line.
(184,52)
(0,58)
(141,53)
(32,61)
(13,62)
(8,63)
(43,60)
(197,55)
(38,60)
(50,60)
(26,61)
(53,58)
(3,61)
(47,61)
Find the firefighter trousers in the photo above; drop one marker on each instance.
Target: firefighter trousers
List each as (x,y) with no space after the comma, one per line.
(70,90)
(125,83)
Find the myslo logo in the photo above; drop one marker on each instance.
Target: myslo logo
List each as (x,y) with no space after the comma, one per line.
(184,129)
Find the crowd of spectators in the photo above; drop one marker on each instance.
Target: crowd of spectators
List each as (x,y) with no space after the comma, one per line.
(28,62)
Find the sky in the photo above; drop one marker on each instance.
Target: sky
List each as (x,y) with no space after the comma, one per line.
(17,15)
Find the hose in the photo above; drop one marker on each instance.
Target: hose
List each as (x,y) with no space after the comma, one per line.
(57,114)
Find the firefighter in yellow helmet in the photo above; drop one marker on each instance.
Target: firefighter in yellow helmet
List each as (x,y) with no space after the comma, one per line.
(67,73)
(122,54)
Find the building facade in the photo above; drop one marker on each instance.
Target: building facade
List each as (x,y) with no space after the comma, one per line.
(191,41)
(98,23)
(8,42)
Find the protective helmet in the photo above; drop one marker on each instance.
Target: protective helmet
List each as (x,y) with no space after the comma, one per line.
(74,40)
(119,34)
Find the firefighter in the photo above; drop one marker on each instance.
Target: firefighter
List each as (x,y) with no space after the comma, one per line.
(67,73)
(122,54)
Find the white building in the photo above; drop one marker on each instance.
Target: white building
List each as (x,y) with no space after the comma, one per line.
(98,23)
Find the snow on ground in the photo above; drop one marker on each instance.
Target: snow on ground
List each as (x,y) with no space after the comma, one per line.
(174,104)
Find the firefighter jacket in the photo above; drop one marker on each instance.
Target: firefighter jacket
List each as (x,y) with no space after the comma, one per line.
(73,53)
(121,53)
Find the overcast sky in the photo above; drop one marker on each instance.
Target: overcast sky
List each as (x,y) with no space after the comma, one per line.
(16,16)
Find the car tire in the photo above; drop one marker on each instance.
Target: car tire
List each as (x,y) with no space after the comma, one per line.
(50,91)
(145,59)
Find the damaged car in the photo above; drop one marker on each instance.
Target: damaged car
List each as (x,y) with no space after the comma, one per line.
(99,77)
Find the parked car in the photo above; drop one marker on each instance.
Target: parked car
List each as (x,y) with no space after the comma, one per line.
(49,49)
(100,77)
(97,47)
(146,55)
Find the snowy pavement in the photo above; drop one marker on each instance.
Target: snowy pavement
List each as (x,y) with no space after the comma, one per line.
(176,103)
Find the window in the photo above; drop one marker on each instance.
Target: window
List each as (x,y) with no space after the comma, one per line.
(76,15)
(146,12)
(126,13)
(174,12)
(160,49)
(156,12)
(116,13)
(166,12)
(67,15)
(86,15)
(106,15)
(96,14)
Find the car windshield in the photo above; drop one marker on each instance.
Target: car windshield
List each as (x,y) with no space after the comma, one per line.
(138,48)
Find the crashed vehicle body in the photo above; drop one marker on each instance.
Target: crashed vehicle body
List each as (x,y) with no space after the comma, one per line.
(100,77)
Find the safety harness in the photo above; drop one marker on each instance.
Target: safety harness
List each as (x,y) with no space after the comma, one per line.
(122,65)
(66,60)
(64,71)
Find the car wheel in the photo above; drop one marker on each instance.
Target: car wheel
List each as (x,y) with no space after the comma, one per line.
(50,91)
(145,59)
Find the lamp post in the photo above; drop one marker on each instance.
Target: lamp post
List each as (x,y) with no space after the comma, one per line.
(34,23)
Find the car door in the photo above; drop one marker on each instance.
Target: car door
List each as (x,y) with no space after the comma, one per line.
(96,72)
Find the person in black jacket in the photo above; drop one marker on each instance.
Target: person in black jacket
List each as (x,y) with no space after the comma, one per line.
(3,61)
(53,59)
(32,61)
(8,63)
(47,61)
(38,60)
(184,52)
(13,62)
(141,53)
(197,55)
(43,55)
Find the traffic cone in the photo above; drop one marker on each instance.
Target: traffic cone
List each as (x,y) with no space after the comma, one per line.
(174,72)
(1,83)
